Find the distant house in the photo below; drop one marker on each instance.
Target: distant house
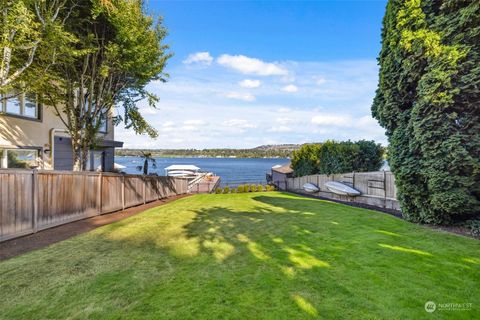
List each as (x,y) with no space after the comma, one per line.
(279,175)
(32,136)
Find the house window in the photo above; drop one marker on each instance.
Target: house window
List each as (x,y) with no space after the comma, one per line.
(23,104)
(95,161)
(102,117)
(103,124)
(19,158)
(30,105)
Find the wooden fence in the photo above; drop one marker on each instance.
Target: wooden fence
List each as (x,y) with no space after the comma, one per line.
(377,188)
(32,200)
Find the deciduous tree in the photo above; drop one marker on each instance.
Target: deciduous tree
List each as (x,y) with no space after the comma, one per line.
(31,34)
(117,52)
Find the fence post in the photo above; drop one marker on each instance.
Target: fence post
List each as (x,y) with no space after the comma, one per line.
(384,189)
(99,193)
(35,200)
(123,192)
(144,189)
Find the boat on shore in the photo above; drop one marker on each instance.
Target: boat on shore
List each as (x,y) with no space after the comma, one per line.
(341,189)
(310,188)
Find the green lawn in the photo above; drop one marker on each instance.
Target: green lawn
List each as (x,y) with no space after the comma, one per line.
(247,256)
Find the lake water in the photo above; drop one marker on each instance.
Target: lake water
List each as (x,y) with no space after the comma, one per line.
(232,171)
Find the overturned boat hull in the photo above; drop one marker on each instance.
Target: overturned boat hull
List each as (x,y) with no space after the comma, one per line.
(341,189)
(310,188)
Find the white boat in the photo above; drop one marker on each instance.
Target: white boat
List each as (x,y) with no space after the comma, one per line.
(182,170)
(117,166)
(180,173)
(341,188)
(310,187)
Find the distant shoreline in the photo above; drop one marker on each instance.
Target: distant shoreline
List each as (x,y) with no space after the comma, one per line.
(200,157)
(264,152)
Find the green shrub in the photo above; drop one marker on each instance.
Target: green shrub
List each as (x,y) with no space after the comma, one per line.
(241,189)
(253,188)
(337,157)
(233,190)
(270,188)
(259,188)
(226,189)
(218,190)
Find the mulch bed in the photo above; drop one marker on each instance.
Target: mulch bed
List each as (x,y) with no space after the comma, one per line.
(18,246)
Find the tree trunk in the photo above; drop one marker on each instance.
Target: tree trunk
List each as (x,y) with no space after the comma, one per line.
(76,154)
(145,167)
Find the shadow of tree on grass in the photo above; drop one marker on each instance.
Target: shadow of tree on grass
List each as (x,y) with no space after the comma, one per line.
(235,256)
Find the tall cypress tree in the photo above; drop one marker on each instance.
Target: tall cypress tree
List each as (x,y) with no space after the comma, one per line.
(428,99)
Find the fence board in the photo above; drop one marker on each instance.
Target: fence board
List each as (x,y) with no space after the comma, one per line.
(66,197)
(16,206)
(32,199)
(133,190)
(391,189)
(112,193)
(151,188)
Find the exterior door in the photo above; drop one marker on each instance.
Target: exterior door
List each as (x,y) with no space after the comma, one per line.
(63,158)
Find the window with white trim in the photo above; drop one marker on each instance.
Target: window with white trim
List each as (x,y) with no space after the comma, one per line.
(19,158)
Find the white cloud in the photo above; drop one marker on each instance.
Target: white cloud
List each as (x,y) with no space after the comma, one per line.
(284,110)
(247,65)
(188,128)
(148,111)
(247,83)
(320,80)
(199,57)
(290,88)
(195,122)
(331,120)
(238,123)
(240,96)
(280,129)
(167,129)
(284,120)
(208,94)
(168,124)
(365,126)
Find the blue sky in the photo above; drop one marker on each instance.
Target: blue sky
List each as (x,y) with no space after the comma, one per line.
(250,73)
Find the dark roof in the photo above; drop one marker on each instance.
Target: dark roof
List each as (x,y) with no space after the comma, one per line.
(283,169)
(110,143)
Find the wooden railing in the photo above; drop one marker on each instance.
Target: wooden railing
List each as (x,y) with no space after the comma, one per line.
(377,188)
(32,200)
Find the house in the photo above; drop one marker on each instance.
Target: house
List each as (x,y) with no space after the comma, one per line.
(32,136)
(279,175)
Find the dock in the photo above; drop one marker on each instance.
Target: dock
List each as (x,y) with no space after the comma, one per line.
(207,184)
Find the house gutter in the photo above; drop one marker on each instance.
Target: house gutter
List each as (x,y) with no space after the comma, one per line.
(52,144)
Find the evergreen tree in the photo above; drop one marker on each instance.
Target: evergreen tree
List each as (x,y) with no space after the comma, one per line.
(428,100)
